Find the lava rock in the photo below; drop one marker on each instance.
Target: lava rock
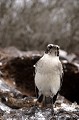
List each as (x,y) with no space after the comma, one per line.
(70,85)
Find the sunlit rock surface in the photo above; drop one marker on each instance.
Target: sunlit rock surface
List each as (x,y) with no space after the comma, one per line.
(17,90)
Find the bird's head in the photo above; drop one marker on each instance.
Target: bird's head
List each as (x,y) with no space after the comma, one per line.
(52,50)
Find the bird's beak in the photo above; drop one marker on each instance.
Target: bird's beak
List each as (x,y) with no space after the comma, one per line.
(57,52)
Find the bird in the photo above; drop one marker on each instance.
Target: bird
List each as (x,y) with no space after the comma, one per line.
(48,74)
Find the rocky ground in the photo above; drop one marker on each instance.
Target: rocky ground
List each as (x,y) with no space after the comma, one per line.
(17,90)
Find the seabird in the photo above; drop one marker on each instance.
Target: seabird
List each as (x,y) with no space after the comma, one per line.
(48,74)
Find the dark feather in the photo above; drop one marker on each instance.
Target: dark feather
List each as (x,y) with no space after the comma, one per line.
(54,98)
(36,91)
(39,98)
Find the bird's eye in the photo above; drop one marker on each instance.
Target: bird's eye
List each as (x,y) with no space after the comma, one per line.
(57,48)
(50,47)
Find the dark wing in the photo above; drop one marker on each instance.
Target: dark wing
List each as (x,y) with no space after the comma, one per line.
(55,97)
(60,67)
(39,97)
(36,91)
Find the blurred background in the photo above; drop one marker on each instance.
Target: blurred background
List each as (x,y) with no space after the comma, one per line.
(32,24)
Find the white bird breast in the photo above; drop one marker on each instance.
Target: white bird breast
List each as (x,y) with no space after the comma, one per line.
(47,78)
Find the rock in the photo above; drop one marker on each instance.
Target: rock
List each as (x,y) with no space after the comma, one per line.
(17,89)
(20,70)
(63,109)
(70,86)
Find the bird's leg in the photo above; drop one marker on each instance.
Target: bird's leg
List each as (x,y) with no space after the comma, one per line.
(52,109)
(39,100)
(44,101)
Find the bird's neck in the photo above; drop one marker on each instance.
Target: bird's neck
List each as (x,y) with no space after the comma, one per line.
(52,56)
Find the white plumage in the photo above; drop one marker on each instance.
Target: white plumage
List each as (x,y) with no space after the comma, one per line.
(48,73)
